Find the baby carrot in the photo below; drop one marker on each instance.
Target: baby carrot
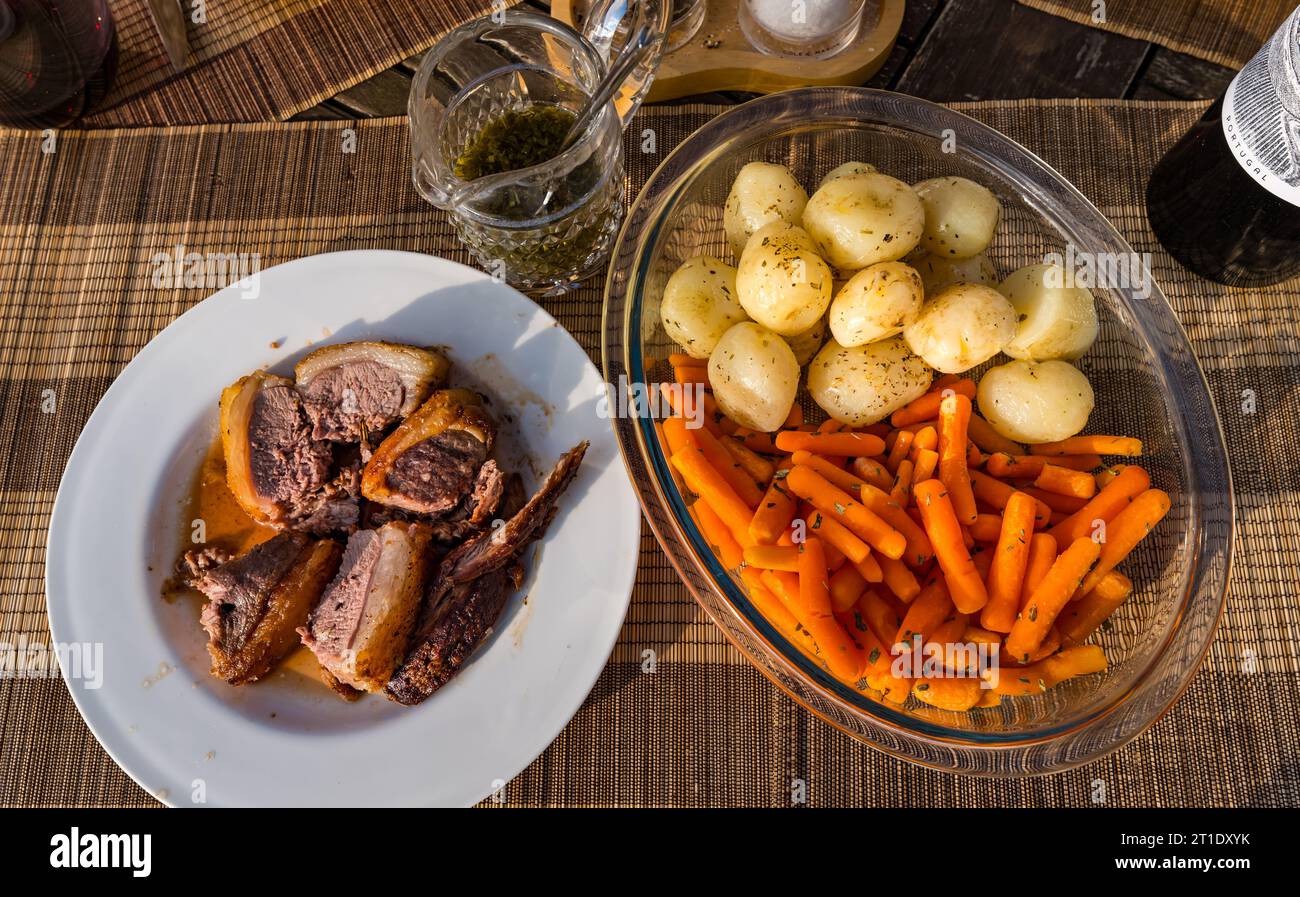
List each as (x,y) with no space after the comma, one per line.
(692,404)
(814,587)
(1042,555)
(853,445)
(771,607)
(830,470)
(721,461)
(902,489)
(1067,504)
(1010,558)
(919,550)
(1000,464)
(926,406)
(1124,533)
(1107,474)
(1081,618)
(879,615)
(756,442)
(678,435)
(927,462)
(948,693)
(926,613)
(838,505)
(968,591)
(873,472)
(775,511)
(898,451)
(794,418)
(839,537)
(1063,481)
(677,359)
(1051,596)
(1105,505)
(995,493)
(840,654)
(706,482)
(759,468)
(989,439)
(1090,445)
(986,528)
(869,567)
(773,557)
(846,587)
(1037,678)
(926,438)
(691,373)
(723,542)
(954,417)
(898,579)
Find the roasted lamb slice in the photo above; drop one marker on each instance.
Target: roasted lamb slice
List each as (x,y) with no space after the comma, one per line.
(471,588)
(257,602)
(272,462)
(352,390)
(360,628)
(431,462)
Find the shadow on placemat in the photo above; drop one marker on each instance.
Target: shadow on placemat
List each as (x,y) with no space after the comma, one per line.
(79,229)
(1228,32)
(264,60)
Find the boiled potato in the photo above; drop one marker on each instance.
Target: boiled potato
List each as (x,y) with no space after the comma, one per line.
(781,282)
(877,302)
(1056,321)
(859,385)
(938,273)
(840,171)
(805,345)
(762,193)
(960,216)
(755,376)
(1035,401)
(699,304)
(962,326)
(858,220)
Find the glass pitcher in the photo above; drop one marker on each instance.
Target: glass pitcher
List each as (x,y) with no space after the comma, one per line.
(548,226)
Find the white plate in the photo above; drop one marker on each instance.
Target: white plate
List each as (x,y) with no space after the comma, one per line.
(117,525)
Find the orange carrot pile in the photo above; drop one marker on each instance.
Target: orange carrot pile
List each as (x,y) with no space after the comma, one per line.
(928,529)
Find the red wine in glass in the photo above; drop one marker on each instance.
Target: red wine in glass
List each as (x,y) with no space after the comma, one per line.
(57,60)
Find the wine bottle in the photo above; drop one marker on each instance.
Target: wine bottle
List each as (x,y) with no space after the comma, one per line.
(1225,200)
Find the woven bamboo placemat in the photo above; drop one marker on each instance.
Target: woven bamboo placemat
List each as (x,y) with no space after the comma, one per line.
(264,60)
(1228,32)
(78,229)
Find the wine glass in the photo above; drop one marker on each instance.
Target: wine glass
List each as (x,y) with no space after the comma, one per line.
(57,60)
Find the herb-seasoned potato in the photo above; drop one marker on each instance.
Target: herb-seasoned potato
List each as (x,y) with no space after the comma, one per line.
(781,282)
(762,193)
(960,217)
(699,304)
(964,325)
(859,385)
(939,273)
(805,345)
(840,171)
(755,376)
(858,220)
(877,302)
(1056,321)
(1036,401)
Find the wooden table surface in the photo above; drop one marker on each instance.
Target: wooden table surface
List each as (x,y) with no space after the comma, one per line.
(947,50)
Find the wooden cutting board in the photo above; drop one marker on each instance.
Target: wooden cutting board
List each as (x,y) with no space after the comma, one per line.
(719,57)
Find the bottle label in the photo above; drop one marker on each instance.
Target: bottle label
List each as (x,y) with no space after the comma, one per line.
(1261,114)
